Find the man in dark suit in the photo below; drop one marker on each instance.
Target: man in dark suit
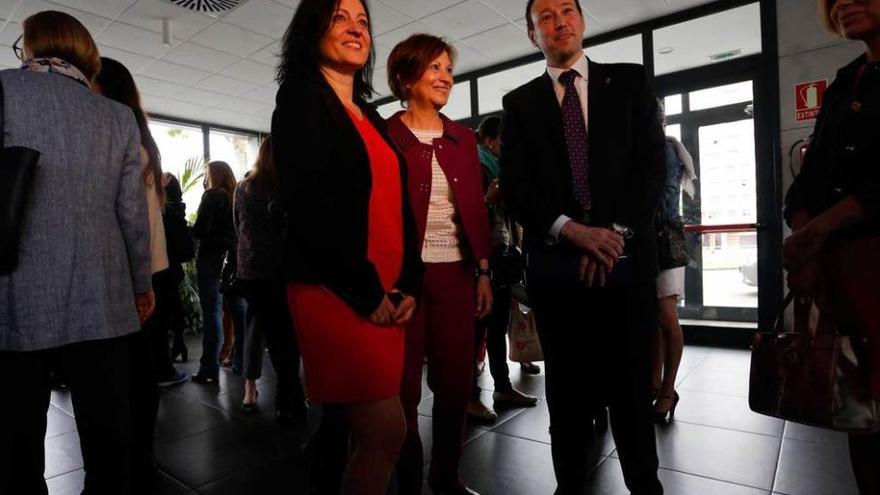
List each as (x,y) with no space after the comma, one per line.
(582,170)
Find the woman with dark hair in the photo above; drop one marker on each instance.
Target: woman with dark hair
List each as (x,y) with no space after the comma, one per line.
(150,363)
(259,226)
(833,209)
(82,284)
(446,192)
(181,249)
(215,232)
(350,257)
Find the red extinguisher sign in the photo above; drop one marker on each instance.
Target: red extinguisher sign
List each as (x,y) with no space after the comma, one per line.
(808,99)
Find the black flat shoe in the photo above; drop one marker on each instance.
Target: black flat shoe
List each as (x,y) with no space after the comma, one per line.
(249,407)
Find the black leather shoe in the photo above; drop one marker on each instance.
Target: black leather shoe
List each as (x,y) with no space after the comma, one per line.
(204,379)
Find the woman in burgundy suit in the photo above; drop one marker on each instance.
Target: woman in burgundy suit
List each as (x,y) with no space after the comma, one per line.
(350,255)
(445,190)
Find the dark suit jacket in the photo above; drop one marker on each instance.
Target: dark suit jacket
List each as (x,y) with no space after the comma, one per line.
(325,186)
(626,158)
(457,155)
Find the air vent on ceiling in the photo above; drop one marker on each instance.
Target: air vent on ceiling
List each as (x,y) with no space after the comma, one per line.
(718,57)
(210,7)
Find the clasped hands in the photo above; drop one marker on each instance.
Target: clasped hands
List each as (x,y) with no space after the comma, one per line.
(602,248)
(387,314)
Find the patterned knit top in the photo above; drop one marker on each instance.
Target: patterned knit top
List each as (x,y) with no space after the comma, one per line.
(442,229)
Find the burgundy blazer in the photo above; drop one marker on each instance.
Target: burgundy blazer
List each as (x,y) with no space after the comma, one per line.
(457,154)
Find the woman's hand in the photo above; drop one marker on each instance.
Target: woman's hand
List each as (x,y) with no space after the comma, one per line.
(806,281)
(405,310)
(802,246)
(384,314)
(484,297)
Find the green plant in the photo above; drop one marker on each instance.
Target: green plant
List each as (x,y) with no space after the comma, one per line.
(193,172)
(189,295)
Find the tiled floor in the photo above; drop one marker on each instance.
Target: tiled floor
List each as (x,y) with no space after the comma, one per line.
(715,447)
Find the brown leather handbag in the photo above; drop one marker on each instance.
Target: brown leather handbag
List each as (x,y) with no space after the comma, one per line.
(813,375)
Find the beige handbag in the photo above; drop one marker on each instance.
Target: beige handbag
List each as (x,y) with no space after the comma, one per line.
(522,335)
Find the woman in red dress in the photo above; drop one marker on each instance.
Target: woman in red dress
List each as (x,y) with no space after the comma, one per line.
(350,253)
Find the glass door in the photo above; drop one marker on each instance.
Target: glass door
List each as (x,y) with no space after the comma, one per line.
(717,127)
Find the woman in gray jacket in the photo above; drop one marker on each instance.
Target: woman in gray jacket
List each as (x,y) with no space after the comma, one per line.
(83,278)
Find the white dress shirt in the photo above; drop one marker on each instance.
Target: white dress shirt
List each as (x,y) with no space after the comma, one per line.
(580,85)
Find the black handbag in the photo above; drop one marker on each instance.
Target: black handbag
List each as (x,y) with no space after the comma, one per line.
(229,283)
(18,167)
(671,243)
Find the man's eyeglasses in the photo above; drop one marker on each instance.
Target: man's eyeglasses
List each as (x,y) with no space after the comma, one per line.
(16,48)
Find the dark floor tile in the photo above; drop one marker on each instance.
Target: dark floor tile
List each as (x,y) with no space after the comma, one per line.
(534,424)
(58,422)
(426,433)
(66,484)
(61,399)
(228,383)
(180,417)
(724,411)
(608,480)
(278,477)
(499,464)
(797,431)
(726,455)
(815,469)
(731,360)
(63,455)
(718,382)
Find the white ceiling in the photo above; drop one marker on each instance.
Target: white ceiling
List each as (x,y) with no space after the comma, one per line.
(220,69)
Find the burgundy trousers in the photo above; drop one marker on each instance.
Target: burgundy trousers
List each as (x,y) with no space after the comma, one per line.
(443,330)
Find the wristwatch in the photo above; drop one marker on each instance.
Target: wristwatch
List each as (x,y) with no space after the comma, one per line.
(483,272)
(622,230)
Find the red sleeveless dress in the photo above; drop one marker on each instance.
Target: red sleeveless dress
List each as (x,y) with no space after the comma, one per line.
(345,357)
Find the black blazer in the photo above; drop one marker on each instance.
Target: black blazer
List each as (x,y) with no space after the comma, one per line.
(626,158)
(325,185)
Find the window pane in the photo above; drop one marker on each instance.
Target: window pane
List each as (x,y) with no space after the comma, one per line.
(177,144)
(493,87)
(622,50)
(459,104)
(721,95)
(674,131)
(708,40)
(672,105)
(238,150)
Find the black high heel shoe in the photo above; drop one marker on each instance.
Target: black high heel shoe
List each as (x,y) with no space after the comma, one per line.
(666,417)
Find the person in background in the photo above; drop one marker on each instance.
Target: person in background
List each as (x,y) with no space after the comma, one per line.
(259,227)
(504,268)
(150,362)
(832,208)
(82,285)
(350,256)
(215,232)
(181,249)
(445,191)
(669,342)
(582,169)
(234,314)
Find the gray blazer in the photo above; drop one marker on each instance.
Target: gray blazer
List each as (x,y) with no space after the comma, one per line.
(85,246)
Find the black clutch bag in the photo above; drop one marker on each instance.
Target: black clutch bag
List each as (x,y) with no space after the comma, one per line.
(18,166)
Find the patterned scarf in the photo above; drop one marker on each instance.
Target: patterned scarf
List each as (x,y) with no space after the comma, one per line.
(57,66)
(490,161)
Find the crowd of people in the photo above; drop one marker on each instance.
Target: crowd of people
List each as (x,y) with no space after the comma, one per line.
(373,250)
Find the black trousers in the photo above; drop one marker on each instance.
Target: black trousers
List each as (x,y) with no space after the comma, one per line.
(166,286)
(96,373)
(597,354)
(268,320)
(494,327)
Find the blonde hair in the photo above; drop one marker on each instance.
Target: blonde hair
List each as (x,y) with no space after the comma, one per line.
(825,7)
(56,34)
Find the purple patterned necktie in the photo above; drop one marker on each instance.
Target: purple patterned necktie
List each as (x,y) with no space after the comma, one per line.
(576,140)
